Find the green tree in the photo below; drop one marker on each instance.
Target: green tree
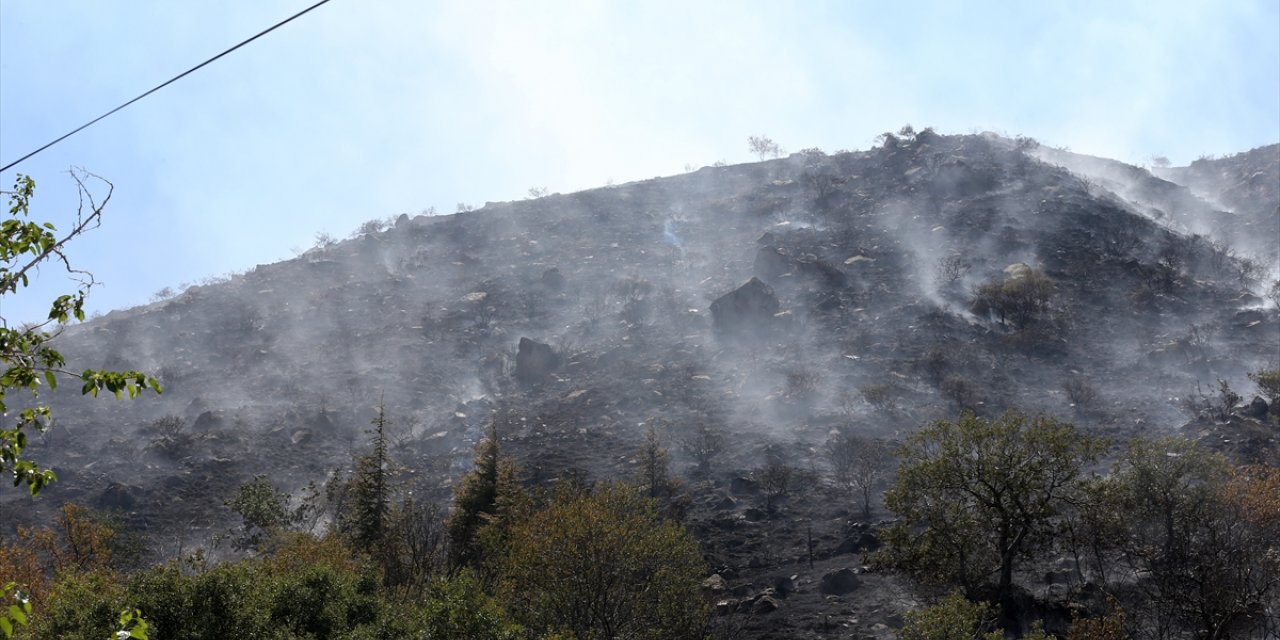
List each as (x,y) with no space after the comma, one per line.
(1204,536)
(479,498)
(604,564)
(1019,300)
(26,357)
(975,497)
(654,475)
(364,517)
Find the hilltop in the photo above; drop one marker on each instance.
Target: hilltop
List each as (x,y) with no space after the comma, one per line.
(777,302)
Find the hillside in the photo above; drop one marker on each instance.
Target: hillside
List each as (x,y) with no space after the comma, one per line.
(855,310)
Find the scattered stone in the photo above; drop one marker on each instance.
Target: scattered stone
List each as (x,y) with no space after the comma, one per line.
(117,496)
(714,585)
(766,604)
(741,486)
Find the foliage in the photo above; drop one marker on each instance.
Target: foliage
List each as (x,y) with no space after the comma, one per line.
(477,500)
(264,514)
(654,475)
(952,618)
(604,564)
(1203,535)
(27,359)
(1268,381)
(15,607)
(1019,300)
(363,515)
(975,497)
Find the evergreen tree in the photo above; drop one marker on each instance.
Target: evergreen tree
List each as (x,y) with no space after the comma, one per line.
(363,519)
(479,499)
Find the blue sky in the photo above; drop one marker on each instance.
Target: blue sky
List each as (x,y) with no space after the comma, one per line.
(367,109)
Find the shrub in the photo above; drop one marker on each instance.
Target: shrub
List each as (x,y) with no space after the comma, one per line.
(1019,300)
(1268,381)
(604,565)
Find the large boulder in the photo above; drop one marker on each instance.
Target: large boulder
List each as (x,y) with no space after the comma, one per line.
(535,361)
(747,310)
(839,582)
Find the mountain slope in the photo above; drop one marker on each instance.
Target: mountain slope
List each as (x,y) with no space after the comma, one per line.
(873,258)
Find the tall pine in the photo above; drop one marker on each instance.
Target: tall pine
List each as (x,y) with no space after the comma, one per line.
(364,518)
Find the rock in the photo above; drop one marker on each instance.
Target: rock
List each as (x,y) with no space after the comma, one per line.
(714,585)
(748,310)
(1257,408)
(839,582)
(755,515)
(766,604)
(864,541)
(402,221)
(741,485)
(726,503)
(535,361)
(301,436)
(726,607)
(784,585)
(771,263)
(552,279)
(208,421)
(117,496)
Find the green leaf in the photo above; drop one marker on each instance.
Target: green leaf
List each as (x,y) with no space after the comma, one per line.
(51,379)
(6,627)
(16,614)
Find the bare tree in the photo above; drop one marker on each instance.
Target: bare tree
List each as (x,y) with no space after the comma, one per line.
(763,147)
(859,464)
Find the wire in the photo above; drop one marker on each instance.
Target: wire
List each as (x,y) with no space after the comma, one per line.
(167,83)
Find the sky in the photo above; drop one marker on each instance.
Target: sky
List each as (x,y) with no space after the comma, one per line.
(366,109)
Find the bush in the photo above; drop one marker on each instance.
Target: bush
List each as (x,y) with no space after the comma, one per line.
(1268,381)
(604,565)
(1019,300)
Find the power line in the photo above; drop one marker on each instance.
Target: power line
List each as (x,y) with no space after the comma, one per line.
(167,83)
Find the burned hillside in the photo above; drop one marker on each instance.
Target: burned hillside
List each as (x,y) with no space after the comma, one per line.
(778,304)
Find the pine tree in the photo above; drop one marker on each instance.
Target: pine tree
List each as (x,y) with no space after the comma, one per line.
(479,499)
(364,517)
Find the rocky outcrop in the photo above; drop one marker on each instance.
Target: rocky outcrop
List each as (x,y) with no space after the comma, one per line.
(747,310)
(535,361)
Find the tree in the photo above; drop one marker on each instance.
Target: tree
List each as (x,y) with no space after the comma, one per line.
(1018,300)
(264,513)
(604,564)
(975,497)
(26,356)
(763,147)
(704,445)
(859,464)
(363,518)
(776,478)
(478,498)
(654,475)
(1202,535)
